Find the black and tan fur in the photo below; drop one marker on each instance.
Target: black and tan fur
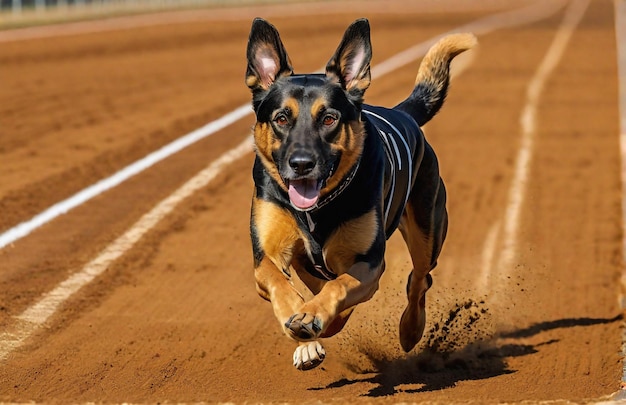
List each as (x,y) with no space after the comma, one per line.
(322,183)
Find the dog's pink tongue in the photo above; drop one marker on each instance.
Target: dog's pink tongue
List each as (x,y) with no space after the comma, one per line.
(304,193)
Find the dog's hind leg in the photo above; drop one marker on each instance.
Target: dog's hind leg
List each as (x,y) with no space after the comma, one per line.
(423,226)
(413,319)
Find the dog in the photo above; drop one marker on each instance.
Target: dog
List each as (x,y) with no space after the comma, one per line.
(334,178)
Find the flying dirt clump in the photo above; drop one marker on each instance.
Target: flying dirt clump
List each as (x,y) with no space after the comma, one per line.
(459,328)
(459,339)
(459,334)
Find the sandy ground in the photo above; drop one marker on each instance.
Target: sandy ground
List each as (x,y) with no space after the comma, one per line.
(177,317)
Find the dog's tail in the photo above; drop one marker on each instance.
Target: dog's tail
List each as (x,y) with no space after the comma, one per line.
(433,77)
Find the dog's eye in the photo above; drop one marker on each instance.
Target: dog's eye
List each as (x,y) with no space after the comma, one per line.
(329,120)
(281,120)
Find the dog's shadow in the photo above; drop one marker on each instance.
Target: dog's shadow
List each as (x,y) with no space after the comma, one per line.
(433,369)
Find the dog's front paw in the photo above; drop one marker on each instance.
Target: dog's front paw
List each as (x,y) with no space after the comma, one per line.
(303,327)
(308,355)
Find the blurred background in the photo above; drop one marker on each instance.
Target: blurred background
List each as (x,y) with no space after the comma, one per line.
(19,13)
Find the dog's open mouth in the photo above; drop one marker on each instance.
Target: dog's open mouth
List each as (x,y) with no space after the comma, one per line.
(304,193)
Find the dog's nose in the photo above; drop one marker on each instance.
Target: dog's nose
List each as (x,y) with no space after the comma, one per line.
(302,163)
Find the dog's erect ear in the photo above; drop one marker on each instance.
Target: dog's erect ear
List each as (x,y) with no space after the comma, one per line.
(267,57)
(350,64)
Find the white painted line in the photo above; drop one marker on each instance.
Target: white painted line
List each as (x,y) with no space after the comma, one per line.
(620,36)
(23,229)
(36,315)
(483,282)
(528,122)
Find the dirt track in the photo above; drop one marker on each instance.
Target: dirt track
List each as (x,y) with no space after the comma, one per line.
(177,318)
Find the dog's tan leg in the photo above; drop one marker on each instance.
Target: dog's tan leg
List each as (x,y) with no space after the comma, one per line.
(356,281)
(423,232)
(413,319)
(349,289)
(275,241)
(277,235)
(315,285)
(338,323)
(275,287)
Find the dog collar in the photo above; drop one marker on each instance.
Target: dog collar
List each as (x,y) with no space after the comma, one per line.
(330,197)
(345,183)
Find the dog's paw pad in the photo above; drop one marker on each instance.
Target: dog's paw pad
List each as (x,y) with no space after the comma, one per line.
(308,355)
(304,327)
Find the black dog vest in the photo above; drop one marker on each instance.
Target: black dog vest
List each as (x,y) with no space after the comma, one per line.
(400,135)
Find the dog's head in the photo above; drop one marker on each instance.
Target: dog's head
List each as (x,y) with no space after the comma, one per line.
(308,133)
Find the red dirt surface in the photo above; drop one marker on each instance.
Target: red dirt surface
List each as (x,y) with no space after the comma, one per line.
(177,318)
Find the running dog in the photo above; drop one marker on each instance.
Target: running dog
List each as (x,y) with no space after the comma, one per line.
(334,178)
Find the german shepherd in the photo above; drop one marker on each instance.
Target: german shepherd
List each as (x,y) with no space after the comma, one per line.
(334,178)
